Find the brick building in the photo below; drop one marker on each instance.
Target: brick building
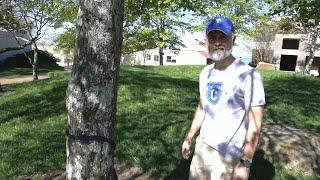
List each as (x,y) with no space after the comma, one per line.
(291,52)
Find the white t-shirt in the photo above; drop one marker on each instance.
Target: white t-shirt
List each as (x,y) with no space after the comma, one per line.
(225,96)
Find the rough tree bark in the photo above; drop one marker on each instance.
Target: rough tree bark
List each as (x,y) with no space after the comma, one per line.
(92,90)
(35,62)
(312,49)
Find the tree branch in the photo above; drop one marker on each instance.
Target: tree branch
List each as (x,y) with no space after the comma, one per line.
(15,48)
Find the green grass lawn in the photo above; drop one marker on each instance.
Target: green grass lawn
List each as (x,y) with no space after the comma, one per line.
(155,109)
(27,71)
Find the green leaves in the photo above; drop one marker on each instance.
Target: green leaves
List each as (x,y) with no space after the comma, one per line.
(139,39)
(243,13)
(8,20)
(164,18)
(67,40)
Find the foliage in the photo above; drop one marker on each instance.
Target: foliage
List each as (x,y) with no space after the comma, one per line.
(8,18)
(148,24)
(157,24)
(67,40)
(67,13)
(34,17)
(155,109)
(243,13)
(263,36)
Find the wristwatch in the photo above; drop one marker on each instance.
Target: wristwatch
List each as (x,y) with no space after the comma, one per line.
(245,162)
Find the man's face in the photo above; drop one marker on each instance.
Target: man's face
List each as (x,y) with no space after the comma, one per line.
(219,45)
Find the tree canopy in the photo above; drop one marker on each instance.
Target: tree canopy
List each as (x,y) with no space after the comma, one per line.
(159,24)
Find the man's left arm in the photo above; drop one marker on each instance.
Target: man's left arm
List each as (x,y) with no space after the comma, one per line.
(255,115)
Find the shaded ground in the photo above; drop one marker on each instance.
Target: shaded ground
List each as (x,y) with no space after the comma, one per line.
(294,148)
(124,173)
(18,79)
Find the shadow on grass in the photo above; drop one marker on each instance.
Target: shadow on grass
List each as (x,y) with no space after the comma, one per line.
(33,140)
(261,168)
(154,112)
(43,102)
(293,100)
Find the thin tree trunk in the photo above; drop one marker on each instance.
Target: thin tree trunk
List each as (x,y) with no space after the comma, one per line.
(313,45)
(1,90)
(161,56)
(35,62)
(92,91)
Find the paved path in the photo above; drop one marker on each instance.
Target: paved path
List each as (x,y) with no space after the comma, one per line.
(21,78)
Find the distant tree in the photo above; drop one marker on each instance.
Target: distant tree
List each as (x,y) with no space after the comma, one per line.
(151,24)
(67,40)
(243,13)
(304,14)
(29,18)
(263,35)
(92,90)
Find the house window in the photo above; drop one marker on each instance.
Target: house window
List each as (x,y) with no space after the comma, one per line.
(168,58)
(290,43)
(148,57)
(171,59)
(156,57)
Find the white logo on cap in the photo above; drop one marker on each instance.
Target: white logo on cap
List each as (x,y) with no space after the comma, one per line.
(218,20)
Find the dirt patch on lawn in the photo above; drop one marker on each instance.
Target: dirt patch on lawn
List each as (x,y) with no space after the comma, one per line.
(124,172)
(21,78)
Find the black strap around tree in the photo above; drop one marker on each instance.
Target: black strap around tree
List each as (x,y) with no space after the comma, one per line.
(91,138)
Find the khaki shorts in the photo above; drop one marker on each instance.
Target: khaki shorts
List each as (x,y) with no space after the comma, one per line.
(208,164)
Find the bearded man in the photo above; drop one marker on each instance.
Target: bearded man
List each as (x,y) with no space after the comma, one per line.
(229,114)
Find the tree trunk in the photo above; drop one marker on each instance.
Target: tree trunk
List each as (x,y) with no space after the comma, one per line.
(1,90)
(161,56)
(313,46)
(92,90)
(35,62)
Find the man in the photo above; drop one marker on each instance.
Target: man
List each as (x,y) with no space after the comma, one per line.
(229,114)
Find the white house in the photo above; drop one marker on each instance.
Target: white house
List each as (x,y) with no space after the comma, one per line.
(194,52)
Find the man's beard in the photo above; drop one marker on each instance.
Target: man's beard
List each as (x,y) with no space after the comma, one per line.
(217,56)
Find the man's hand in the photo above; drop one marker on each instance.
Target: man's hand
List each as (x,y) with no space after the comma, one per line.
(240,172)
(186,146)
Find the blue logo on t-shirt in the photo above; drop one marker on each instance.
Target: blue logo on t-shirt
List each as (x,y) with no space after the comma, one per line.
(214,92)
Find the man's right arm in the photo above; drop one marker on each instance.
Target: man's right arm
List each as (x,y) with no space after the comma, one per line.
(195,126)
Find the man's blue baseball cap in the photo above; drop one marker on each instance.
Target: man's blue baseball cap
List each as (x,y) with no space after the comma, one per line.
(222,24)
